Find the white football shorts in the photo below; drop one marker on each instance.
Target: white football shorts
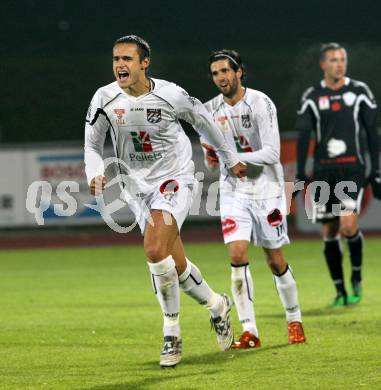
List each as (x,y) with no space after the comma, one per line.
(172,196)
(262,221)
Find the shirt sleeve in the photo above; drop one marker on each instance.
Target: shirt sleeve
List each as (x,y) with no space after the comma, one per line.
(368,118)
(95,134)
(266,118)
(305,124)
(192,111)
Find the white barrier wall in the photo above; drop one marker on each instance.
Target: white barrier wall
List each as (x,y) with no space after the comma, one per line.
(21,167)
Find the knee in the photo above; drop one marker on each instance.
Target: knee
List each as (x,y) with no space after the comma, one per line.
(239,257)
(155,251)
(348,230)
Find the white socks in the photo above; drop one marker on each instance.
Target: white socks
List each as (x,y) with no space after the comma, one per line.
(193,284)
(165,283)
(242,288)
(288,293)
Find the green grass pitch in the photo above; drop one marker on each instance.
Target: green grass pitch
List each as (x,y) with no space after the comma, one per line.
(88,319)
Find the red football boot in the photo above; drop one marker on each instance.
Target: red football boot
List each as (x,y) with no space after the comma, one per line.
(296,333)
(247,340)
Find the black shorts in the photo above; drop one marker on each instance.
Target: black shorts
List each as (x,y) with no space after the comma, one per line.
(336,192)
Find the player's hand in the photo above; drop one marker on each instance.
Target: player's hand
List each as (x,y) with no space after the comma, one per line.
(211,156)
(239,170)
(300,182)
(97,185)
(375,181)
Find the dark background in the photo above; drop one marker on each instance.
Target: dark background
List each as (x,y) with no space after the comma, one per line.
(55,54)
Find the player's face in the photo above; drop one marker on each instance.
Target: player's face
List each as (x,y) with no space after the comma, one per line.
(127,67)
(335,64)
(227,80)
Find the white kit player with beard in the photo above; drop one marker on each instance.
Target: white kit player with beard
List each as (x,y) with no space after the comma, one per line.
(155,161)
(252,209)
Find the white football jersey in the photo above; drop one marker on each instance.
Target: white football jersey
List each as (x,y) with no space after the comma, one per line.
(251,128)
(148,139)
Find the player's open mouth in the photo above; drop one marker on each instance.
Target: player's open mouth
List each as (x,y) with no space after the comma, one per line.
(123,75)
(224,85)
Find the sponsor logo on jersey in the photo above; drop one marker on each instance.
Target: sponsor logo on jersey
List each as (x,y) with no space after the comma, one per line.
(323,102)
(335,147)
(222,119)
(275,218)
(192,100)
(335,106)
(153,115)
(246,121)
(119,115)
(229,226)
(349,98)
(142,144)
(141,141)
(242,144)
(169,188)
(145,156)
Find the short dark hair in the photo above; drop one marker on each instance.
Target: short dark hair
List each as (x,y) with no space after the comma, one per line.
(143,47)
(234,58)
(327,47)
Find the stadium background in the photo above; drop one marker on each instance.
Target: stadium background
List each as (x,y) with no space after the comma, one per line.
(86,318)
(55,54)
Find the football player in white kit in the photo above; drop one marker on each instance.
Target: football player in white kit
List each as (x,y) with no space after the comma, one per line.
(155,156)
(253,209)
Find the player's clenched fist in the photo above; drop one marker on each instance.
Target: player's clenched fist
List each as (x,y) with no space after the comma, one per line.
(97,185)
(239,170)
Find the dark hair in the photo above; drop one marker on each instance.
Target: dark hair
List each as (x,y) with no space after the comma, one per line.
(143,47)
(327,47)
(232,56)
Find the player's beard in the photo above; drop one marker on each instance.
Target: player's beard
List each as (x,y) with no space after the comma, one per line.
(231,92)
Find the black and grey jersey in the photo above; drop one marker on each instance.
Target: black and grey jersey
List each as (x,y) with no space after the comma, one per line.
(337,117)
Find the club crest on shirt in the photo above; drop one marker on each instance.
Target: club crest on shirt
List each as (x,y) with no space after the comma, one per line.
(324,103)
(349,98)
(246,121)
(153,115)
(119,115)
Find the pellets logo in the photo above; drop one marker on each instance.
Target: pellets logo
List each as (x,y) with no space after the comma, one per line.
(242,144)
(141,141)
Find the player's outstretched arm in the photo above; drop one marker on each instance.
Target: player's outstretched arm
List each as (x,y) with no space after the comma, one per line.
(192,111)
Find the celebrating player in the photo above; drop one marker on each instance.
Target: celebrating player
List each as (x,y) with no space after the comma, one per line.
(337,109)
(254,209)
(143,115)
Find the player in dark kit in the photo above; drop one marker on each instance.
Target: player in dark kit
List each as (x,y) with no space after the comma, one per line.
(338,110)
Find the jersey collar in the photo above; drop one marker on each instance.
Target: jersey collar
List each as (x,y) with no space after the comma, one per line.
(346,82)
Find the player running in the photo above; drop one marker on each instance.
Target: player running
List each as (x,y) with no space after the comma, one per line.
(154,153)
(338,109)
(254,209)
